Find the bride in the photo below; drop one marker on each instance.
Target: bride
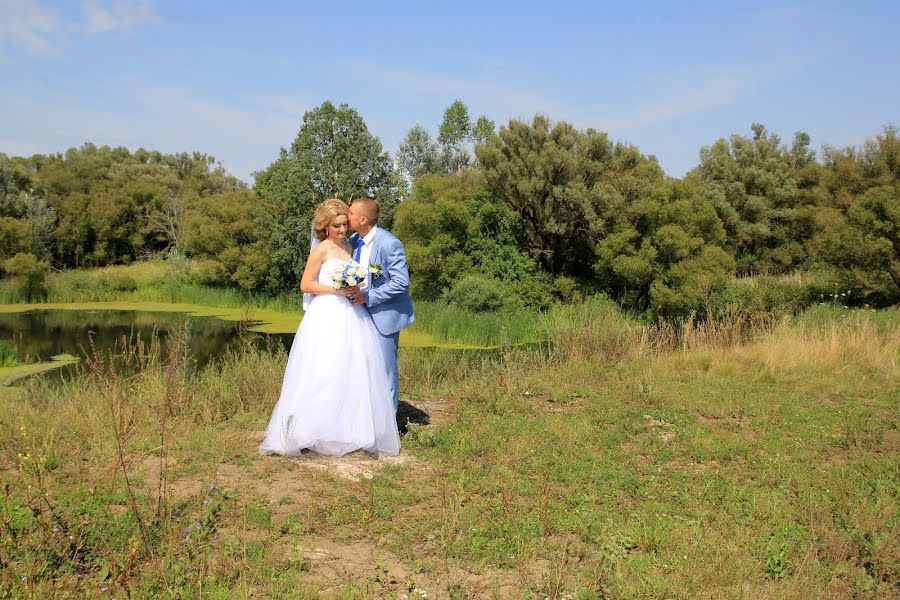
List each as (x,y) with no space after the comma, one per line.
(335,397)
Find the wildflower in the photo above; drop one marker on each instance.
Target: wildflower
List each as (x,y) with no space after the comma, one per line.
(103,589)
(198,526)
(212,486)
(56,530)
(188,530)
(24,578)
(206,502)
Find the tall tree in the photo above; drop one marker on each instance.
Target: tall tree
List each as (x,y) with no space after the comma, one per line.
(858,225)
(482,130)
(452,136)
(41,220)
(333,156)
(569,186)
(751,183)
(418,154)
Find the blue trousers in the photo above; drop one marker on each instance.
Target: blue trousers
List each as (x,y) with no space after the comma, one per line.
(389,346)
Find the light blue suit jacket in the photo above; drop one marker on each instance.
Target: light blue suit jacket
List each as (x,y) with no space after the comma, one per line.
(387,298)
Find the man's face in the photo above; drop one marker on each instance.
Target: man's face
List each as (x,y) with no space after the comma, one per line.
(355,218)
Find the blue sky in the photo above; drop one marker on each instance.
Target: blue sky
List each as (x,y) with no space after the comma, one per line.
(233,79)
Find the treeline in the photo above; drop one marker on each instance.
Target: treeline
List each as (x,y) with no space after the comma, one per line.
(528,215)
(553,212)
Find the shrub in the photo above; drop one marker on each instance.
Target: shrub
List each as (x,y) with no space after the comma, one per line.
(120,282)
(208,272)
(8,355)
(29,275)
(565,289)
(477,294)
(786,295)
(534,292)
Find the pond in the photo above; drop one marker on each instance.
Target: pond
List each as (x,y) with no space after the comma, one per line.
(35,335)
(39,335)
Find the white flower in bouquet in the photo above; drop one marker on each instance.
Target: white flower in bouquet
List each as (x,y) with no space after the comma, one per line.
(348,274)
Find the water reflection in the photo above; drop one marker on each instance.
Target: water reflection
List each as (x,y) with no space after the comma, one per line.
(38,335)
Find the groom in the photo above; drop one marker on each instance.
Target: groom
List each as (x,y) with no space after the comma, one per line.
(385,296)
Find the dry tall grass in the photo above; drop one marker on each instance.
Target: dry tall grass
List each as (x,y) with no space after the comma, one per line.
(596,331)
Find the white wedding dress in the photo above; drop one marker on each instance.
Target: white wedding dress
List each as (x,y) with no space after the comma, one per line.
(335,397)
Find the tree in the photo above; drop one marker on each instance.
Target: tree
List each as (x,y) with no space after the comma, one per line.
(482,130)
(223,229)
(452,136)
(858,237)
(28,273)
(110,204)
(15,181)
(167,221)
(14,237)
(751,183)
(41,221)
(664,254)
(453,229)
(333,156)
(418,154)
(569,188)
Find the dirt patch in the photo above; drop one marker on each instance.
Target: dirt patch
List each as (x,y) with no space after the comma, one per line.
(355,466)
(651,421)
(632,448)
(729,420)
(332,562)
(550,404)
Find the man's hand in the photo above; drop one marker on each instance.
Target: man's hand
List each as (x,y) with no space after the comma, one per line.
(359,298)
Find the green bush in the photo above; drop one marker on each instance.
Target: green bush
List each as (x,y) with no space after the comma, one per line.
(8,355)
(208,272)
(29,275)
(534,293)
(120,282)
(777,295)
(477,294)
(567,290)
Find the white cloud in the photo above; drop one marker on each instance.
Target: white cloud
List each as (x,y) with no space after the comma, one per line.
(293,105)
(697,92)
(32,27)
(490,96)
(120,15)
(27,25)
(244,134)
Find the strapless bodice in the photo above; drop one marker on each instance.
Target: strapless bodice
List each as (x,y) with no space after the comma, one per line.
(326,271)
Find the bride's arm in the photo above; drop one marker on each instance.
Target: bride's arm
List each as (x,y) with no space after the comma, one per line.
(309,283)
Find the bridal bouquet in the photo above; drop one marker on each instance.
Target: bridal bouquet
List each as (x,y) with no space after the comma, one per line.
(348,274)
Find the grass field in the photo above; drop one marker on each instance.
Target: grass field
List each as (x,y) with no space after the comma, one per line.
(740,459)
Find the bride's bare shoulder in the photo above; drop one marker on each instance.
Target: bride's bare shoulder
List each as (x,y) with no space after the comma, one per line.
(325,250)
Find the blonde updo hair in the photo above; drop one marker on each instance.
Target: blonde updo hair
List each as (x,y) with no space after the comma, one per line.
(326,213)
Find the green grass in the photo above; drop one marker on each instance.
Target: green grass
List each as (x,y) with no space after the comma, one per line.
(731,459)
(11,373)
(8,355)
(450,323)
(157,281)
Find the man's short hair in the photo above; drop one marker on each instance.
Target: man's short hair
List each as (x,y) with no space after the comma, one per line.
(369,207)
